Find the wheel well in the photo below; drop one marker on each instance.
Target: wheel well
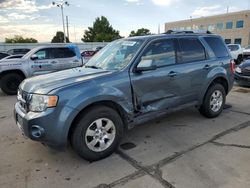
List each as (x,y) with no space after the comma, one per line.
(107,103)
(13,71)
(221,81)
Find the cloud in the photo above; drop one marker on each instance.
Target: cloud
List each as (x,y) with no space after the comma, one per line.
(3,20)
(17,16)
(26,6)
(37,31)
(163,2)
(206,11)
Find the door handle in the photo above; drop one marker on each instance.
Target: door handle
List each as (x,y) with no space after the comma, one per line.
(172,74)
(206,66)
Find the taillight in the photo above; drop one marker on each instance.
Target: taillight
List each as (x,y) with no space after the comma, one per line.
(232,66)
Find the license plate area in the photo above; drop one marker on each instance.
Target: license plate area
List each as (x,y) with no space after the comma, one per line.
(19,122)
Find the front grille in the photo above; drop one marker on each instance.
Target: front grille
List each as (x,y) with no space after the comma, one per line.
(246,72)
(23,99)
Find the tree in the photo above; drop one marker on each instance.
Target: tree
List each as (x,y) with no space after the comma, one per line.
(101,31)
(20,39)
(140,32)
(59,38)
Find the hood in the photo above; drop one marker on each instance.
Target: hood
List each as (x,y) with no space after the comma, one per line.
(246,50)
(11,61)
(43,84)
(245,67)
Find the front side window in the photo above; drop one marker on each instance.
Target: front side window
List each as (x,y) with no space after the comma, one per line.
(229,25)
(42,54)
(191,50)
(159,53)
(233,47)
(240,24)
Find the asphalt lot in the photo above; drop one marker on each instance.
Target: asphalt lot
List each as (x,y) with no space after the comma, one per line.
(183,150)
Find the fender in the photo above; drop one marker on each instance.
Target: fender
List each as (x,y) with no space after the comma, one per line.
(218,72)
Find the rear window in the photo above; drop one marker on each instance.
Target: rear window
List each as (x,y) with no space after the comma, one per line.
(217,45)
(233,47)
(191,50)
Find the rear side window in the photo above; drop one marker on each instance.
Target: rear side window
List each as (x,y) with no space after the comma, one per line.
(62,53)
(217,45)
(191,50)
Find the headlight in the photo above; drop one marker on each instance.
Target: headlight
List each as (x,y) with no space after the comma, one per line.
(238,70)
(40,103)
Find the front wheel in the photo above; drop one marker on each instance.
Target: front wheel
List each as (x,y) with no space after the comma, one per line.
(214,101)
(10,83)
(97,133)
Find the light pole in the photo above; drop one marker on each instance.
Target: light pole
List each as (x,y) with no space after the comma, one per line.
(60,4)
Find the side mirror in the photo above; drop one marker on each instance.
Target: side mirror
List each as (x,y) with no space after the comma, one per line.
(145,65)
(34,57)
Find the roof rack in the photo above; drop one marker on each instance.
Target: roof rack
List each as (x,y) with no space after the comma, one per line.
(188,32)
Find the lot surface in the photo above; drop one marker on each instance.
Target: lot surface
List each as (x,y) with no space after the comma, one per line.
(182,150)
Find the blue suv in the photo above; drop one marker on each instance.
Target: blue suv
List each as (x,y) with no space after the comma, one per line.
(127,83)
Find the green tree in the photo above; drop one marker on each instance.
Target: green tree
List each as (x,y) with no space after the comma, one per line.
(101,31)
(20,39)
(140,32)
(59,38)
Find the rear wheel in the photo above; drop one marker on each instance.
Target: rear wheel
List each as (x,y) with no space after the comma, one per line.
(214,101)
(98,133)
(10,83)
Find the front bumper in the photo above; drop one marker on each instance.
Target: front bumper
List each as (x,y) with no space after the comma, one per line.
(242,79)
(50,127)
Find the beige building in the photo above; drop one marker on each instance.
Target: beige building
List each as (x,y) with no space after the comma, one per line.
(233,27)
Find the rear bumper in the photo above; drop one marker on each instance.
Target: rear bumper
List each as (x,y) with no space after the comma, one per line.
(242,80)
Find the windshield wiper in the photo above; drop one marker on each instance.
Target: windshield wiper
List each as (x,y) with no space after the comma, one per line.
(93,67)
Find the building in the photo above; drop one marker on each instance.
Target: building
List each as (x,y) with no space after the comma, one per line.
(233,27)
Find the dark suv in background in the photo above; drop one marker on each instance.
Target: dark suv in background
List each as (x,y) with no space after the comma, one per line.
(127,83)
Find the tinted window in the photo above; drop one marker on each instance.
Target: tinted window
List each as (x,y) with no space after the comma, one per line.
(217,45)
(62,53)
(160,53)
(228,41)
(191,50)
(3,55)
(229,25)
(240,24)
(237,41)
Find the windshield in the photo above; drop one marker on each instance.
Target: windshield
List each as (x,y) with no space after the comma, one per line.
(27,55)
(248,47)
(116,55)
(233,47)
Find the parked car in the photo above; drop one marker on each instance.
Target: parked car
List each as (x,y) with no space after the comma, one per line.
(3,55)
(18,51)
(236,52)
(132,81)
(40,60)
(87,54)
(246,52)
(242,73)
(12,57)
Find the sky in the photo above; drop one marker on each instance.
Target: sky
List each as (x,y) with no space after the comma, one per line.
(39,19)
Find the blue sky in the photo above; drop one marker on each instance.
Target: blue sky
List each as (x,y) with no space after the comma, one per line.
(41,20)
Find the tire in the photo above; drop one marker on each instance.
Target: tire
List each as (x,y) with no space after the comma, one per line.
(214,101)
(10,83)
(84,138)
(239,59)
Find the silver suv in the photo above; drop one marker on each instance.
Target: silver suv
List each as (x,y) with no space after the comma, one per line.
(40,60)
